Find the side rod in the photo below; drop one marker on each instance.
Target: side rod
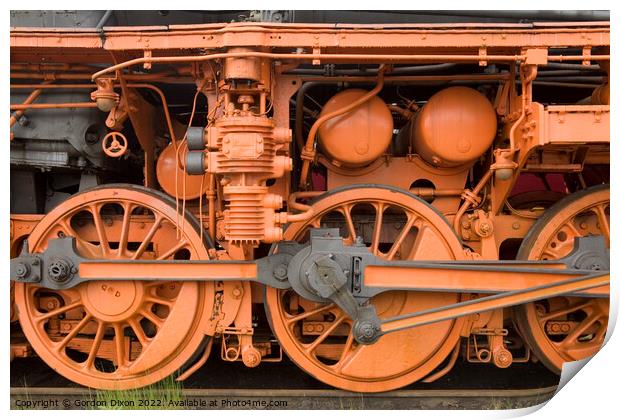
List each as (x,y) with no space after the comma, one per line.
(487,303)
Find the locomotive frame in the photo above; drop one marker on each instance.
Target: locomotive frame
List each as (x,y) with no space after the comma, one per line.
(418,269)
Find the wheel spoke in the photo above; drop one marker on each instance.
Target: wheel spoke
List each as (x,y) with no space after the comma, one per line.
(84,246)
(346,211)
(571,338)
(564,311)
(570,225)
(58,311)
(172,250)
(119,341)
(62,344)
(158,300)
(158,322)
(346,354)
(96,344)
(139,332)
(312,346)
(305,315)
(103,240)
(148,238)
(122,243)
(401,237)
(602,220)
(376,233)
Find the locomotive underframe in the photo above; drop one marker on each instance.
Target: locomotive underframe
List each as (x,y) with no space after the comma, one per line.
(534,139)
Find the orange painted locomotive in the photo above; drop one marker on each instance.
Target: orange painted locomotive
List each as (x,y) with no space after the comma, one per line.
(372,201)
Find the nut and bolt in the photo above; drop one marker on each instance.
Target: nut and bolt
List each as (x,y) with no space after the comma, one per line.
(22,270)
(280,272)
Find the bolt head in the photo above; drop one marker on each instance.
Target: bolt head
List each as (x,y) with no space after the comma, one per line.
(22,270)
(280,272)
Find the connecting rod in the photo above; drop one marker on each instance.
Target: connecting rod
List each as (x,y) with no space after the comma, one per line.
(328,271)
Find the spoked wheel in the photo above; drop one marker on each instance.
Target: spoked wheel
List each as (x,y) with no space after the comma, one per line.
(317,337)
(564,328)
(117,334)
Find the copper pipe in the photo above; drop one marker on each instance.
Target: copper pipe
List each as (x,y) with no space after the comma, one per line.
(461,211)
(54,106)
(309,148)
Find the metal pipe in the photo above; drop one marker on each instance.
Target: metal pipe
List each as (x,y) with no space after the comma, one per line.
(406,79)
(92,86)
(380,58)
(211,195)
(461,211)
(373,71)
(432,192)
(43,67)
(54,106)
(568,66)
(299,113)
(104,19)
(29,100)
(68,86)
(308,152)
(83,76)
(294,205)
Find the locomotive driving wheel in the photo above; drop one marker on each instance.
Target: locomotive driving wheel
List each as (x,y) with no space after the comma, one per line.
(396,226)
(564,328)
(117,334)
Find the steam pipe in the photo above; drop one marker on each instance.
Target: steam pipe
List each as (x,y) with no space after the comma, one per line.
(373,71)
(307,153)
(299,113)
(53,106)
(390,58)
(461,211)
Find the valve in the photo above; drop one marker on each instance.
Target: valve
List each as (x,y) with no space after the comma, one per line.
(114,144)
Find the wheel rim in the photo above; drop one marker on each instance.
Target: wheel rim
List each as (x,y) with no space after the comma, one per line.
(113,334)
(565,328)
(317,337)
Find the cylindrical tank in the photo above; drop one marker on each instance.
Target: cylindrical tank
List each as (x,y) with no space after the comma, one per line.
(456,126)
(359,136)
(166,166)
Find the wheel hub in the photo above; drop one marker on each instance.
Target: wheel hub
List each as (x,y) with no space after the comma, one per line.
(113,301)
